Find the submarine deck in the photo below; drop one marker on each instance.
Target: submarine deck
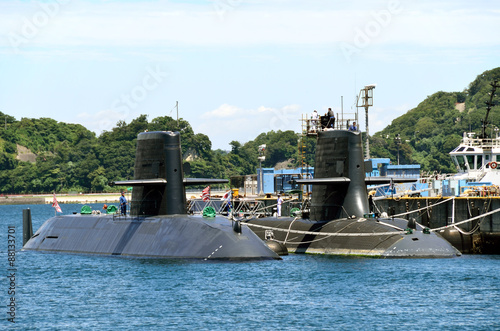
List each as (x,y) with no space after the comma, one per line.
(172,236)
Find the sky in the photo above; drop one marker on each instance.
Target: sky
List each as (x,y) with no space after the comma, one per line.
(237,68)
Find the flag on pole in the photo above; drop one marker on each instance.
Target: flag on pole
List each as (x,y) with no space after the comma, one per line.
(56,205)
(205,194)
(227,198)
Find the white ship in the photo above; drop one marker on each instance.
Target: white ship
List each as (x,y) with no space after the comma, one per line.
(477,160)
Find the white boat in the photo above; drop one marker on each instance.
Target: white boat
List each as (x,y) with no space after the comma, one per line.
(478,159)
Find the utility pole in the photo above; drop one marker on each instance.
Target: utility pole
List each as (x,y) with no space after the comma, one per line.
(177,107)
(366,98)
(397,140)
(261,158)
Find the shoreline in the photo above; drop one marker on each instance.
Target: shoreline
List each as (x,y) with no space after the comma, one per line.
(84,198)
(61,199)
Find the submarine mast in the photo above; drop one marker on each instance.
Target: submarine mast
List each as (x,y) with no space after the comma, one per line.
(366,99)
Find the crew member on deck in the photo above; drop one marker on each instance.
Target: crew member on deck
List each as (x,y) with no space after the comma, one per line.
(314,120)
(331,123)
(123,204)
(278,205)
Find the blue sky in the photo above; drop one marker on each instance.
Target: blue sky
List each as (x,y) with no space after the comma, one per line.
(237,68)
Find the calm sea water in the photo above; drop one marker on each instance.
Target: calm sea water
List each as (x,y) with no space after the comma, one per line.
(302,292)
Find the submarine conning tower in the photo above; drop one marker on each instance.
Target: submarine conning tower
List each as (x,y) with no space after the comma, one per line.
(158,156)
(340,188)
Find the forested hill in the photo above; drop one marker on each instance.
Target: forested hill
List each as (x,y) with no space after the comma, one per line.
(435,127)
(43,155)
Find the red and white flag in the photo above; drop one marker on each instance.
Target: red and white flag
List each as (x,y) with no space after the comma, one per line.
(227,198)
(205,194)
(56,205)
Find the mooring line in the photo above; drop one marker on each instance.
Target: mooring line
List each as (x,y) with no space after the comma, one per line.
(467,220)
(326,233)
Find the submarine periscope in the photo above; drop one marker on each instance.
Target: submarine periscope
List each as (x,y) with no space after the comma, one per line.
(159,226)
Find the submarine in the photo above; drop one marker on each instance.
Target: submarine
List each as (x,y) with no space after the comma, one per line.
(339,220)
(158,225)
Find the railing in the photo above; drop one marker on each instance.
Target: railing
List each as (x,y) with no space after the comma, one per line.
(480,142)
(313,126)
(246,207)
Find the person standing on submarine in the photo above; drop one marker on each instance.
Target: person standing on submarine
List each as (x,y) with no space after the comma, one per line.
(123,204)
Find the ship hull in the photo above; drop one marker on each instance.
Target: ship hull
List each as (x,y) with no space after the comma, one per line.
(479,236)
(172,236)
(359,236)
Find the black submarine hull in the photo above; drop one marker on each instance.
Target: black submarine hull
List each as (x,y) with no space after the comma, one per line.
(159,226)
(358,237)
(340,221)
(480,236)
(172,236)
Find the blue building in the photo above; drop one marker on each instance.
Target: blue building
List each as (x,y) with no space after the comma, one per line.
(281,180)
(383,167)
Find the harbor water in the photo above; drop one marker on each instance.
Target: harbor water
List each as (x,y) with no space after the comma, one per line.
(301,292)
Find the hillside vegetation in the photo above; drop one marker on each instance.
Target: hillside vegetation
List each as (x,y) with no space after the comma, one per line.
(70,158)
(435,127)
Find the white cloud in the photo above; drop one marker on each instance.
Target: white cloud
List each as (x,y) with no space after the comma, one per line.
(424,46)
(228,122)
(161,23)
(224,111)
(262,109)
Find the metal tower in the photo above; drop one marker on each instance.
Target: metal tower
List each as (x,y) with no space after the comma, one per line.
(365,100)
